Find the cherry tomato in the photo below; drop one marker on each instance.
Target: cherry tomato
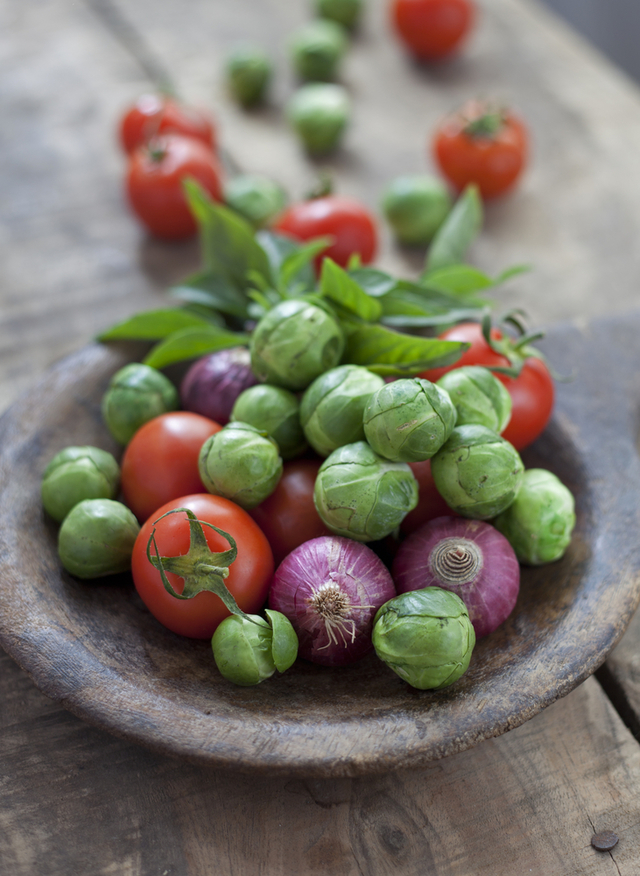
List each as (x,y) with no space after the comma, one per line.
(483,145)
(532,392)
(288,517)
(154,183)
(347,221)
(433,29)
(430,502)
(155,114)
(160,462)
(249,574)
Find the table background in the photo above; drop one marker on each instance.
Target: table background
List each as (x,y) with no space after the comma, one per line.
(74,800)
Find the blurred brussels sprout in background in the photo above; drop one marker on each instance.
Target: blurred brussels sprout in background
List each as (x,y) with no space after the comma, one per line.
(477,472)
(78,473)
(248,74)
(97,537)
(319,113)
(332,407)
(425,636)
(136,394)
(345,12)
(293,343)
(317,49)
(415,207)
(240,463)
(249,650)
(362,496)
(408,420)
(479,397)
(256,198)
(273,410)
(539,522)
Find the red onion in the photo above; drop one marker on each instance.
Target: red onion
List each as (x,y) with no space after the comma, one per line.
(330,589)
(213,383)
(468,557)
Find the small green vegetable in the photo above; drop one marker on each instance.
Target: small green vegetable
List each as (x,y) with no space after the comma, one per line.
(273,410)
(415,207)
(136,394)
(248,72)
(317,48)
(479,397)
(345,12)
(248,650)
(318,113)
(256,198)
(78,473)
(96,538)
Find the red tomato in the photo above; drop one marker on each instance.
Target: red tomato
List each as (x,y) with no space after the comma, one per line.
(430,502)
(160,462)
(154,114)
(249,574)
(288,517)
(532,392)
(433,29)
(347,221)
(154,183)
(482,145)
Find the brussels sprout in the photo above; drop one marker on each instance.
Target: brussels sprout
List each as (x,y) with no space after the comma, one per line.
(362,496)
(136,394)
(317,49)
(479,397)
(332,407)
(408,420)
(345,12)
(248,650)
(97,537)
(240,463)
(273,410)
(477,472)
(539,522)
(319,114)
(248,73)
(293,343)
(415,207)
(78,473)
(257,199)
(425,636)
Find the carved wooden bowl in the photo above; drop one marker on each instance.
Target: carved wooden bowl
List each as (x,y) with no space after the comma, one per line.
(94,647)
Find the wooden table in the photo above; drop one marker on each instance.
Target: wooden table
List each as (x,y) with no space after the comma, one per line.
(75,801)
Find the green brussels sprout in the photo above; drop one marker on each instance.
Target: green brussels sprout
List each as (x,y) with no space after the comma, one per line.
(248,650)
(539,522)
(248,74)
(78,473)
(408,420)
(273,410)
(477,472)
(425,636)
(96,538)
(293,343)
(415,207)
(317,49)
(136,394)
(332,407)
(256,198)
(362,496)
(479,397)
(345,12)
(240,463)
(319,114)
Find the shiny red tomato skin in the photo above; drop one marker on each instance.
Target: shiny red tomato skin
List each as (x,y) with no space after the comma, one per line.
(249,575)
(288,517)
(155,114)
(532,392)
(430,502)
(345,219)
(154,183)
(433,29)
(160,462)
(493,162)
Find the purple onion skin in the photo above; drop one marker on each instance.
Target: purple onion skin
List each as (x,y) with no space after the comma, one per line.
(325,573)
(213,383)
(490,595)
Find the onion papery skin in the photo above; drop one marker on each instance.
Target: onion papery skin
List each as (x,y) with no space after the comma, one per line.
(490,595)
(324,567)
(213,383)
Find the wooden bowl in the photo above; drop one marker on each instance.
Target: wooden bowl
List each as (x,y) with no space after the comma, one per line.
(94,647)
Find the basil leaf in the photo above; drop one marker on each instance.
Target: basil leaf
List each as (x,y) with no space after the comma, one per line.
(337,285)
(374,282)
(211,289)
(435,297)
(413,312)
(191,343)
(387,352)
(298,266)
(459,279)
(455,235)
(152,325)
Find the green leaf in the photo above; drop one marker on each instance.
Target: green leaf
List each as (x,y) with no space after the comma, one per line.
(152,325)
(434,297)
(374,282)
(338,286)
(191,343)
(208,288)
(410,311)
(387,352)
(298,266)
(456,234)
(459,279)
